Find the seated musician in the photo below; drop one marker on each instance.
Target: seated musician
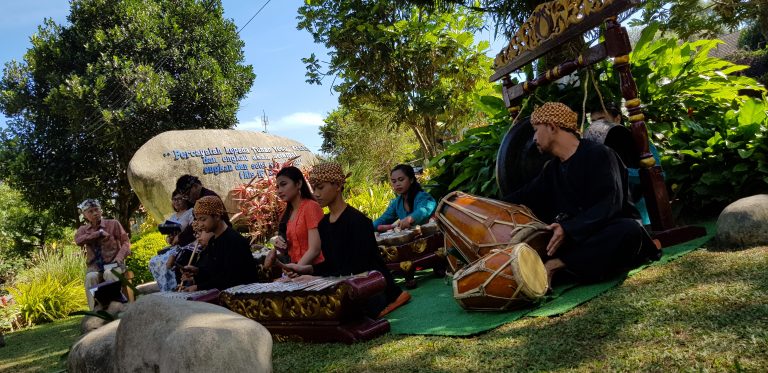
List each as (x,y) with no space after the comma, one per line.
(297,231)
(610,114)
(161,265)
(583,194)
(192,188)
(348,244)
(227,260)
(412,206)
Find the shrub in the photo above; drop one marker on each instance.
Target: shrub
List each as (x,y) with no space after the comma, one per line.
(372,200)
(141,252)
(47,299)
(51,288)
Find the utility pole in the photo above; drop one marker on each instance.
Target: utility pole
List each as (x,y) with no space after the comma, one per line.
(264,120)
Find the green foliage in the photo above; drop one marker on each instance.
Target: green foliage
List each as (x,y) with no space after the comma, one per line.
(90,92)
(52,287)
(141,252)
(695,18)
(357,137)
(372,200)
(418,68)
(23,229)
(470,164)
(751,38)
(712,137)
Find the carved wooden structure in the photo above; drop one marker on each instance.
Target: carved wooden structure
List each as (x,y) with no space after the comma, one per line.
(422,252)
(331,310)
(552,24)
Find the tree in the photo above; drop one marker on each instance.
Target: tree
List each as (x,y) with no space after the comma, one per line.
(89,93)
(22,231)
(704,18)
(355,137)
(420,67)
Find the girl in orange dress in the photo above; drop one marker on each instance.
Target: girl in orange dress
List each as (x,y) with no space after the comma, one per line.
(298,226)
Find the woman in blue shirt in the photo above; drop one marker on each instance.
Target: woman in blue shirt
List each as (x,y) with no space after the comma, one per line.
(412,206)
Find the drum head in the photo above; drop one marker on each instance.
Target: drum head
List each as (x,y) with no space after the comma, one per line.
(518,160)
(530,273)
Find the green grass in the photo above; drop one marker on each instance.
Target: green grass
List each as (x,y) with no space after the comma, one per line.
(39,348)
(707,311)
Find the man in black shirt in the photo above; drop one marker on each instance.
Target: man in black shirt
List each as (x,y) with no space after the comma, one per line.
(584,194)
(227,260)
(347,241)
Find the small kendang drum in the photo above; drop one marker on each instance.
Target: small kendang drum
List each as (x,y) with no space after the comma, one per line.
(504,279)
(473,226)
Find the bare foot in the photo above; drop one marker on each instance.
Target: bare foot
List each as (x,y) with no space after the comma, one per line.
(552,266)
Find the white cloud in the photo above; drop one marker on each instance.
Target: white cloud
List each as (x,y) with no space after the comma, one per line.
(299,120)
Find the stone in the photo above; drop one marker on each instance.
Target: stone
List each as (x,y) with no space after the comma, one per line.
(148,288)
(95,351)
(91,323)
(222,159)
(743,223)
(159,334)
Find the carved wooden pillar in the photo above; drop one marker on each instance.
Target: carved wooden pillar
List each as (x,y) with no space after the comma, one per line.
(513,105)
(654,189)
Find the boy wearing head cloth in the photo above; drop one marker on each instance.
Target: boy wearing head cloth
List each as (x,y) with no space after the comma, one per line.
(106,245)
(584,195)
(347,241)
(227,260)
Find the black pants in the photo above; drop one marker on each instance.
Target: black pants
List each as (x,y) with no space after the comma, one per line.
(620,245)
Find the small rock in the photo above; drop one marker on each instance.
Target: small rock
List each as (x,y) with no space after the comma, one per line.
(91,323)
(743,223)
(95,351)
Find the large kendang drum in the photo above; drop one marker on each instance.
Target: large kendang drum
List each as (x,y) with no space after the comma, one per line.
(473,226)
(504,279)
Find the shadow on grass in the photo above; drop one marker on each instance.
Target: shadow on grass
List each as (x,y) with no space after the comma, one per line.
(704,311)
(38,349)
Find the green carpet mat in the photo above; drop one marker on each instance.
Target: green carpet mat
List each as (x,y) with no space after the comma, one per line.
(433,311)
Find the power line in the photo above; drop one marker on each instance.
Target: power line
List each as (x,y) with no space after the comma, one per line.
(254,16)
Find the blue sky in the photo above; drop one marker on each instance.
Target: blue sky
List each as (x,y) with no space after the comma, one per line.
(273,46)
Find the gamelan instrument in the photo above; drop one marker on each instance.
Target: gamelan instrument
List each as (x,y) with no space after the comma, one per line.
(406,250)
(509,278)
(320,310)
(208,296)
(473,226)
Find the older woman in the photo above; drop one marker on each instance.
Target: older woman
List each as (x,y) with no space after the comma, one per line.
(161,265)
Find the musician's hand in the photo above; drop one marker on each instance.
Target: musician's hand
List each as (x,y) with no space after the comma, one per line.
(192,270)
(405,223)
(204,237)
(297,268)
(384,227)
(189,289)
(558,235)
(174,239)
(270,259)
(304,278)
(280,243)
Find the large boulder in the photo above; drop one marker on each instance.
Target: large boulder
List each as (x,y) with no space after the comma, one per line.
(743,223)
(159,334)
(222,159)
(95,351)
